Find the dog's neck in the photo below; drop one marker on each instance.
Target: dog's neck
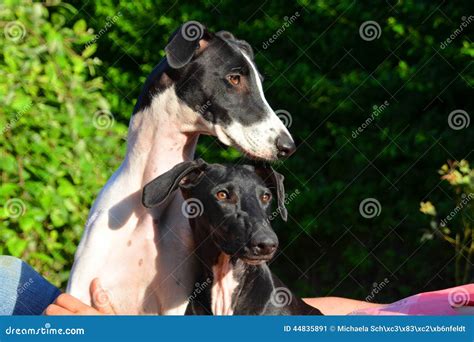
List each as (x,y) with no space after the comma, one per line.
(230,278)
(227,279)
(161,136)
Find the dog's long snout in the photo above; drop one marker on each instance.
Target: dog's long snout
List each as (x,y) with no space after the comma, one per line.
(264,244)
(285,146)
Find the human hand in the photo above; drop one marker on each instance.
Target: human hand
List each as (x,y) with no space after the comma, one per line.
(66,304)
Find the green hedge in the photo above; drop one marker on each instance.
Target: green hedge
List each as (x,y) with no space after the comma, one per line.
(55,154)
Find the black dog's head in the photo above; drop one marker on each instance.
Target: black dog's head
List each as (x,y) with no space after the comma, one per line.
(215,76)
(232,202)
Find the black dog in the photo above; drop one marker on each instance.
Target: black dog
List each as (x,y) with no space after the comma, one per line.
(233,237)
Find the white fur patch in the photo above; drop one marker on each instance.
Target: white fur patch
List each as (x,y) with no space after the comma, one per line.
(119,244)
(258,140)
(223,287)
(258,81)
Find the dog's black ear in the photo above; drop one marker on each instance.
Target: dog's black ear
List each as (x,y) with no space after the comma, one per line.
(183,175)
(242,44)
(226,35)
(274,182)
(184,43)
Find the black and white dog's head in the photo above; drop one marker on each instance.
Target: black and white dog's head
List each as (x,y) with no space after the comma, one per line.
(215,76)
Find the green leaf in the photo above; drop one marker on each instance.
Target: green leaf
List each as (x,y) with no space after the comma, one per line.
(89,51)
(80,26)
(16,246)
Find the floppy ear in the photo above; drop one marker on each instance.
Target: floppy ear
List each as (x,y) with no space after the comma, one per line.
(184,42)
(246,47)
(274,182)
(158,190)
(242,44)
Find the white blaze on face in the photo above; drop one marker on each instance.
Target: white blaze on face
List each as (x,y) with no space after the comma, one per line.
(259,139)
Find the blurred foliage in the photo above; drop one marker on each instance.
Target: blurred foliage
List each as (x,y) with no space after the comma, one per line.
(456,227)
(319,70)
(53,160)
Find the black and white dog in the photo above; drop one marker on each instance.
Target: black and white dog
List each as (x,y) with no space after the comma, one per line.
(233,237)
(207,84)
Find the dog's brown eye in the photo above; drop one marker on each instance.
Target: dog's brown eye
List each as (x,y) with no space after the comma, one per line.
(222,195)
(266,198)
(234,79)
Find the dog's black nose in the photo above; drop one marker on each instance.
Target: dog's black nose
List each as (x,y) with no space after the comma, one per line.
(264,247)
(285,146)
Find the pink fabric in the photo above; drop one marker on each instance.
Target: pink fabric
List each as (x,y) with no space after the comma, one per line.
(454,301)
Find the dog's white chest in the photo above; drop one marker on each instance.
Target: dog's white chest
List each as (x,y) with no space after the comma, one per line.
(144,264)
